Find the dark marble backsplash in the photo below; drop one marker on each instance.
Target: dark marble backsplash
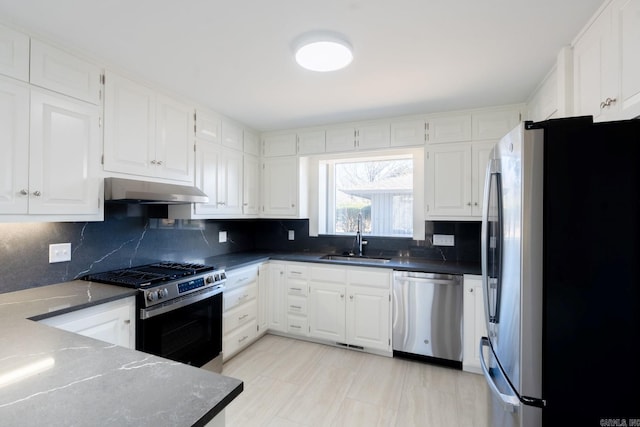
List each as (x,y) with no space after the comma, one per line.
(128,237)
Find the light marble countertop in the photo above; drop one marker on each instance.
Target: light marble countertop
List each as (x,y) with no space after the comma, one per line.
(56,378)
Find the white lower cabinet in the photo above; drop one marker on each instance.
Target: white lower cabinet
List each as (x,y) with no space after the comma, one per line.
(240,310)
(474,323)
(297,286)
(351,306)
(112,322)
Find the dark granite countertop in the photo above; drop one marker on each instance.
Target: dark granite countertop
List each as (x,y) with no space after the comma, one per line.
(56,378)
(241,259)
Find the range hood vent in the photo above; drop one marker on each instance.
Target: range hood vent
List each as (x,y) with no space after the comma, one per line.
(150,193)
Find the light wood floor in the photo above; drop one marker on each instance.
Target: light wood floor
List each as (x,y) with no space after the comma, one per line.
(291,383)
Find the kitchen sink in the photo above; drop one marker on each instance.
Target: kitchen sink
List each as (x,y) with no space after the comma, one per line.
(355,258)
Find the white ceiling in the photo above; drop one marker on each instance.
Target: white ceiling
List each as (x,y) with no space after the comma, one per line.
(235,56)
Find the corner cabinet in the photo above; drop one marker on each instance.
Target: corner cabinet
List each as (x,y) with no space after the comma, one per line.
(147,133)
(280,186)
(474,323)
(112,322)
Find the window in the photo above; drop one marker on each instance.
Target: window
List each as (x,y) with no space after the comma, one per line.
(377,189)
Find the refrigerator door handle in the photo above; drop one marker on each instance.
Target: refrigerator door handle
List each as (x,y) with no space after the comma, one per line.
(510,403)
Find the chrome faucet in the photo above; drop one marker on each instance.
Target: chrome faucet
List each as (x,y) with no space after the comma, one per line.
(359,240)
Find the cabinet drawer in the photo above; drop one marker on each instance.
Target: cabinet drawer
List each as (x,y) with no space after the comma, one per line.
(239,316)
(328,274)
(297,304)
(297,271)
(239,296)
(297,287)
(297,325)
(241,277)
(370,277)
(239,339)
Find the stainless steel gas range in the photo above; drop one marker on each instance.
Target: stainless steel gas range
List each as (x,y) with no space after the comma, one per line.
(179,308)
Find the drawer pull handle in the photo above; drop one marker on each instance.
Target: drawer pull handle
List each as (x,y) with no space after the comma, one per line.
(296,326)
(243,338)
(243,296)
(296,289)
(296,272)
(297,307)
(244,316)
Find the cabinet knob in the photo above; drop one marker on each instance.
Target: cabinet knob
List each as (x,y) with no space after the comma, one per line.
(475,204)
(153,162)
(37,193)
(341,295)
(471,290)
(469,204)
(24,192)
(351,297)
(127,322)
(159,162)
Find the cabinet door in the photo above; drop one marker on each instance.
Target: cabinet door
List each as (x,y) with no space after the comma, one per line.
(64,155)
(474,325)
(251,187)
(448,177)
(54,69)
(207,126)
(480,157)
(231,135)
(493,124)
(112,322)
(277,298)
(207,159)
(455,128)
(628,21)
(280,186)
(263,297)
(368,317)
(595,69)
(14,146)
(373,136)
(14,54)
(129,127)
(408,133)
(340,139)
(326,311)
(280,145)
(230,181)
(311,142)
(250,143)
(174,142)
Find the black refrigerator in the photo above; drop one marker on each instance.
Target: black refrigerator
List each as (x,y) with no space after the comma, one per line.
(561,274)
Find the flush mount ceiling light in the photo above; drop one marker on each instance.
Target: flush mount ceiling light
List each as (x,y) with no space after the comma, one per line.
(322,51)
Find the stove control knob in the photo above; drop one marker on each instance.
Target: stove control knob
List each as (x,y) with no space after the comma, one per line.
(163,293)
(152,295)
(208,279)
(223,275)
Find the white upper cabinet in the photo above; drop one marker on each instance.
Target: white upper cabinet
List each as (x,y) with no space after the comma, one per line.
(451,128)
(493,124)
(251,185)
(231,135)
(62,72)
(14,54)
(251,143)
(64,151)
(279,145)
(364,137)
(406,133)
(311,142)
(627,21)
(14,146)
(280,186)
(207,126)
(147,133)
(595,70)
(607,64)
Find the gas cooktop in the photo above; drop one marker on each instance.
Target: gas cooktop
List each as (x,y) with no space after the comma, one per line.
(150,274)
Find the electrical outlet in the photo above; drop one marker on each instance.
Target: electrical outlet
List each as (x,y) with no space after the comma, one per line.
(222,237)
(292,234)
(443,240)
(59,252)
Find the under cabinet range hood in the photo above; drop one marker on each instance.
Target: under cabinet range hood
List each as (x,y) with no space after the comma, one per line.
(150,193)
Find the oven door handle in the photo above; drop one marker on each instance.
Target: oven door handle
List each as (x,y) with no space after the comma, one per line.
(147,313)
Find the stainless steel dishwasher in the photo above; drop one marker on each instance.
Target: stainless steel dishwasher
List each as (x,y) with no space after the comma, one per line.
(427,317)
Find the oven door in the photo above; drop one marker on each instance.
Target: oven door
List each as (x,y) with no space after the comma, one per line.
(187,330)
